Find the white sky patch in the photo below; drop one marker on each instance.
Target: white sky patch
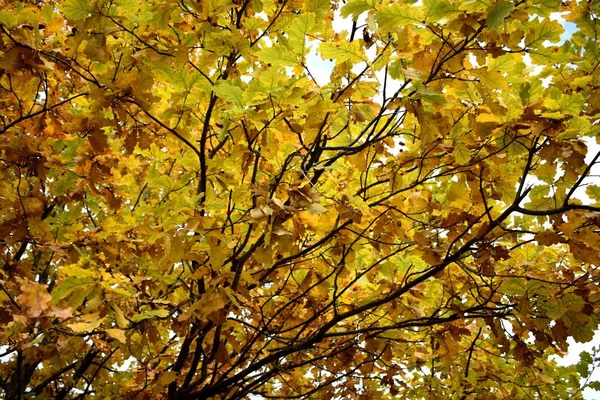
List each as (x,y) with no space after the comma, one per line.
(126,365)
(262,15)
(319,68)
(569,27)
(473,60)
(267,40)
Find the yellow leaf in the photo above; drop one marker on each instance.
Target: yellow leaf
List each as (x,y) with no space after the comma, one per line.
(120,319)
(118,334)
(461,153)
(83,327)
(78,272)
(485,117)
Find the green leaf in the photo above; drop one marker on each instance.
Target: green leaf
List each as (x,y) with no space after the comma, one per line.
(78,272)
(461,153)
(544,8)
(343,51)
(150,314)
(586,357)
(69,285)
(583,366)
(278,56)
(8,19)
(389,18)
(573,104)
(582,369)
(48,13)
(505,63)
(127,7)
(595,385)
(572,302)
(427,93)
(355,8)
(255,93)
(525,93)
(554,309)
(230,93)
(319,7)
(273,81)
(498,12)
(540,32)
(77,9)
(515,287)
(297,31)
(436,10)
(387,270)
(594,192)
(116,289)
(582,333)
(559,104)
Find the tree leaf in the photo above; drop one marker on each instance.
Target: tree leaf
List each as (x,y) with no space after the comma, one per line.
(356,8)
(34,298)
(316,208)
(8,19)
(277,55)
(150,314)
(74,270)
(461,153)
(77,9)
(436,10)
(398,15)
(298,30)
(208,192)
(498,12)
(118,334)
(342,51)
(84,327)
(229,92)
(70,285)
(594,385)
(582,333)
(120,319)
(548,238)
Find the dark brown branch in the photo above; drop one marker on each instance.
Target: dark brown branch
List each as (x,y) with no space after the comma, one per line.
(85,364)
(39,112)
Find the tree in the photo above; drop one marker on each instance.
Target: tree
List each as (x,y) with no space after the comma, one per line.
(187,213)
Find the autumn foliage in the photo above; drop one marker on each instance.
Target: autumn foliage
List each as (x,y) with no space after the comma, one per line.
(187,211)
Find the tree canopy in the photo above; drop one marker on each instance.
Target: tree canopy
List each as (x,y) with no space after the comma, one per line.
(186,212)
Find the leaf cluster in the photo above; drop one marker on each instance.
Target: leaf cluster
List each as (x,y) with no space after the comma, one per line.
(189,211)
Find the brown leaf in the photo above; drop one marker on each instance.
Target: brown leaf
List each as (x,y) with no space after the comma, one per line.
(34,298)
(98,140)
(584,252)
(548,238)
